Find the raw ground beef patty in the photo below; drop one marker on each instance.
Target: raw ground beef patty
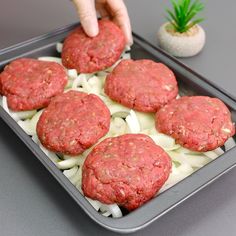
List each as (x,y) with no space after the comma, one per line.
(127,170)
(87,55)
(30,84)
(143,85)
(199,123)
(73,122)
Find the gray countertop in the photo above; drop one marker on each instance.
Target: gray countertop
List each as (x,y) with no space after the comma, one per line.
(33,203)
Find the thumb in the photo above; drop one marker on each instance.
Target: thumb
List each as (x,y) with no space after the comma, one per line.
(88,16)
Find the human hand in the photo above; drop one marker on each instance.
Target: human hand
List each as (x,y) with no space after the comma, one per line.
(113,9)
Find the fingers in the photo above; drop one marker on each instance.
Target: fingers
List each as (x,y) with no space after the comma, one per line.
(115,8)
(121,17)
(103,12)
(101,9)
(88,18)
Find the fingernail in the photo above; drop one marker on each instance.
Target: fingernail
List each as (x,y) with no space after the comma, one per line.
(128,35)
(91,27)
(130,42)
(93,31)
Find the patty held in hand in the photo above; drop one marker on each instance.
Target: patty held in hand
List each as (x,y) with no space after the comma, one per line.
(73,122)
(127,170)
(30,84)
(90,54)
(143,85)
(199,123)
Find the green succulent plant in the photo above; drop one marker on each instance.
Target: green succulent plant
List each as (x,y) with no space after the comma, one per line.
(182,16)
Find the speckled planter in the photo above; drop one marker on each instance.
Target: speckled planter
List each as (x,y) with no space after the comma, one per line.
(181,44)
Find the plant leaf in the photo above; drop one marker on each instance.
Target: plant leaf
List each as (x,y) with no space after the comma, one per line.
(184,11)
(190,16)
(172,23)
(196,6)
(176,9)
(171,15)
(186,5)
(195,22)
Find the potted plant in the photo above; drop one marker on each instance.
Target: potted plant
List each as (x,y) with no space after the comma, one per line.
(182,36)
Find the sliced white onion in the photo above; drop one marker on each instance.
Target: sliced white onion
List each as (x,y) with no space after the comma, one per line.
(95,81)
(102,74)
(96,85)
(145,131)
(88,76)
(22,115)
(66,157)
(127,48)
(72,74)
(146,120)
(118,110)
(185,168)
(133,122)
(53,59)
(105,99)
(78,186)
(71,172)
(126,56)
(69,84)
(27,127)
(196,160)
(191,160)
(188,151)
(110,69)
(77,177)
(78,81)
(66,164)
(153,131)
(35,119)
(219,151)
(176,157)
(104,94)
(175,176)
(79,180)
(230,143)
(17,115)
(52,156)
(106,213)
(1,100)
(96,204)
(59,47)
(211,154)
(35,138)
(165,141)
(4,105)
(117,127)
(85,85)
(80,159)
(214,153)
(113,209)
(87,151)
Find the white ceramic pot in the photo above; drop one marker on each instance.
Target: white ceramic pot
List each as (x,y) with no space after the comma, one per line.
(181,44)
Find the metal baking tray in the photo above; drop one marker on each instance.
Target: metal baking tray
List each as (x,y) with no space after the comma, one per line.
(189,82)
